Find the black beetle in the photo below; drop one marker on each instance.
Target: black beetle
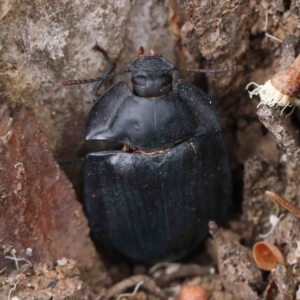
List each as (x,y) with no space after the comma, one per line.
(152,201)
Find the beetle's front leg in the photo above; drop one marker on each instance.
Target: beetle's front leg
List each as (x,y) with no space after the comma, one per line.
(110,67)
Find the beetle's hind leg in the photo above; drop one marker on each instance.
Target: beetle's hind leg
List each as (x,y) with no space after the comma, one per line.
(110,67)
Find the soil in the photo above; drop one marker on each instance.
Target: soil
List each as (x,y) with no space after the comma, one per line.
(42,260)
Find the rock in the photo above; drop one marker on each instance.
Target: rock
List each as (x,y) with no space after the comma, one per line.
(38,207)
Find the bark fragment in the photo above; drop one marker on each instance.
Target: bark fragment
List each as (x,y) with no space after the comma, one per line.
(38,207)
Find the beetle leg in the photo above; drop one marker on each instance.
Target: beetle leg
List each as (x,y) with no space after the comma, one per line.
(155,53)
(141,52)
(110,67)
(63,162)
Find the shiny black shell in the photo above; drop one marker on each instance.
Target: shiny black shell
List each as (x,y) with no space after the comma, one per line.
(156,207)
(152,123)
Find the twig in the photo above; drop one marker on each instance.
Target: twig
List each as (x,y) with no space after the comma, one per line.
(173,289)
(8,249)
(18,259)
(191,270)
(11,290)
(284,131)
(284,203)
(273,37)
(273,221)
(13,253)
(161,265)
(100,295)
(148,283)
(131,294)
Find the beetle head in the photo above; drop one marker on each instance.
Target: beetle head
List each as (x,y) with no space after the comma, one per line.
(151,76)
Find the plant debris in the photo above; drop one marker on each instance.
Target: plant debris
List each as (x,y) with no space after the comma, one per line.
(43,224)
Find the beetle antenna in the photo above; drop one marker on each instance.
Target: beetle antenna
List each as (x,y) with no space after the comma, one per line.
(229,68)
(84,81)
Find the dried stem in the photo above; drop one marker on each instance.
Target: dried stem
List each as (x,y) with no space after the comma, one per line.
(284,203)
(11,290)
(148,283)
(184,271)
(131,294)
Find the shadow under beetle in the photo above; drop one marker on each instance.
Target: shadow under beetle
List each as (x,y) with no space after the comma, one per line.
(153,200)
